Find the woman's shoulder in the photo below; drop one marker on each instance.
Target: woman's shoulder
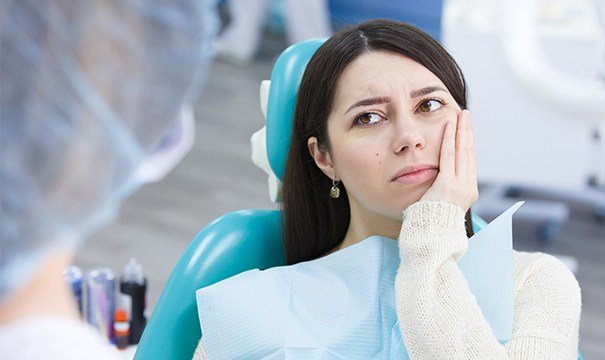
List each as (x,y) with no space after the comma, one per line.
(537,271)
(532,261)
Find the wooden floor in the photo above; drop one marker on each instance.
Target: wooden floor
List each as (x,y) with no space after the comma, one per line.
(217,176)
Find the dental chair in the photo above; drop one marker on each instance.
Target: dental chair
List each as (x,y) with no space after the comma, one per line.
(240,240)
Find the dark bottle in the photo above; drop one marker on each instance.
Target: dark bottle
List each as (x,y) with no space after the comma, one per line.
(134,284)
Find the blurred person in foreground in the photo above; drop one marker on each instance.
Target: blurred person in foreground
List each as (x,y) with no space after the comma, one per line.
(90,92)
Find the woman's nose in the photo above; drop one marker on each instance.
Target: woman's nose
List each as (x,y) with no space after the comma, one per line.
(407,137)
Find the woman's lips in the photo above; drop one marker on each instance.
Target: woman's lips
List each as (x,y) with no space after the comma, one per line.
(417,177)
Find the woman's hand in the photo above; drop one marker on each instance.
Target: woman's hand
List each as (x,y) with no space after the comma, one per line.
(456,182)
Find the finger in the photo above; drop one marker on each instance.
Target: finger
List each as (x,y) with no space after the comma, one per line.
(473,172)
(447,155)
(460,129)
(470,133)
(462,159)
(469,116)
(469,141)
(464,166)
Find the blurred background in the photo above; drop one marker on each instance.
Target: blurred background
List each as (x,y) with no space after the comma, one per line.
(536,74)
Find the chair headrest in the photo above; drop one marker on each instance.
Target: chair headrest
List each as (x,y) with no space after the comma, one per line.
(285,80)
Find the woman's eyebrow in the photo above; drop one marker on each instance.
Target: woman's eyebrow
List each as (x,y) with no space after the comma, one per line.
(370,101)
(425,91)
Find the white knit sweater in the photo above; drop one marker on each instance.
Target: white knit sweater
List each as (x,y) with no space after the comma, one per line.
(439,316)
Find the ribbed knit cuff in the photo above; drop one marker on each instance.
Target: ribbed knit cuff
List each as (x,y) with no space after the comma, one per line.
(432,226)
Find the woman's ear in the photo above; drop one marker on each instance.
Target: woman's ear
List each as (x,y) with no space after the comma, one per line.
(322,158)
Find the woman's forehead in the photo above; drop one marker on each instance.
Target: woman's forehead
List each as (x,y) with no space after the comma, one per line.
(382,74)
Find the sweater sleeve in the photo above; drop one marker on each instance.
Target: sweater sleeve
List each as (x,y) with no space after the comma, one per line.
(439,316)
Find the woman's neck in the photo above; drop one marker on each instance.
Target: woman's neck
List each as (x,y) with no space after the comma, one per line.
(364,224)
(46,293)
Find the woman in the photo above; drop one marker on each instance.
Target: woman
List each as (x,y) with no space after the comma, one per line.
(381,130)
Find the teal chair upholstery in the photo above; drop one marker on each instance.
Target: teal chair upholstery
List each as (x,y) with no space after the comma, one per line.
(237,241)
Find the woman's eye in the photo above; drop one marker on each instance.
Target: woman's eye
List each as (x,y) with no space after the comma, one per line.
(430,105)
(368,119)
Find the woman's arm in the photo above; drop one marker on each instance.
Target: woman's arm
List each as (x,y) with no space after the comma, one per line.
(547,309)
(439,316)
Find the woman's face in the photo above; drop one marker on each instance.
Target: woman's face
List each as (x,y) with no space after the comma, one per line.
(389,113)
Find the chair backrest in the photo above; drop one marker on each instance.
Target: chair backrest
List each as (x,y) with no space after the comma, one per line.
(237,241)
(234,243)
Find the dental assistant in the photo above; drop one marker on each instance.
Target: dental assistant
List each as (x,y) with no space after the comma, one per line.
(89,90)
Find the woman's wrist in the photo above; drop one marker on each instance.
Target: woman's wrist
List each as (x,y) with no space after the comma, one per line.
(432,226)
(440,213)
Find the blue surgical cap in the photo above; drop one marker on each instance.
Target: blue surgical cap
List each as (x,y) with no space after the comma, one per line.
(88,89)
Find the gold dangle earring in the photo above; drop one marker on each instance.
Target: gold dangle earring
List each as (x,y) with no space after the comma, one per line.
(335,190)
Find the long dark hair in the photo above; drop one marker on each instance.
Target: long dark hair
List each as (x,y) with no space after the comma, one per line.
(313,222)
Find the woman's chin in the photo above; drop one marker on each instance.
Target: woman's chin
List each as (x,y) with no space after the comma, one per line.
(412,198)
